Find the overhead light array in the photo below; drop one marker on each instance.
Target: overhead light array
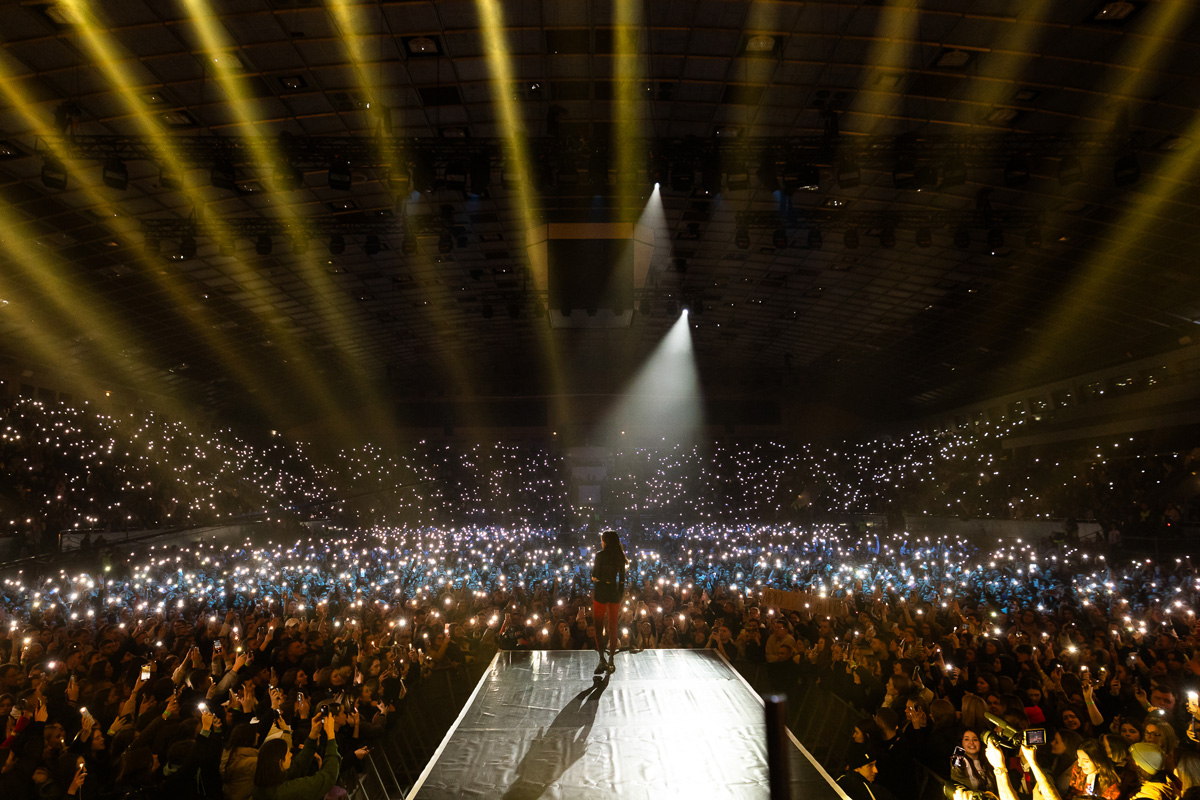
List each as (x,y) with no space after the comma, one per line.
(788,164)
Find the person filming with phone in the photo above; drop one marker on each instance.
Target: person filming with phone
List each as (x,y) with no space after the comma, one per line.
(279,776)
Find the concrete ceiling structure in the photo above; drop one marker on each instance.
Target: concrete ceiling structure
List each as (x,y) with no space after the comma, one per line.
(893,205)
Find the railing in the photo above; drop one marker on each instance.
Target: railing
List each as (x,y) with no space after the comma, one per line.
(422,721)
(824,724)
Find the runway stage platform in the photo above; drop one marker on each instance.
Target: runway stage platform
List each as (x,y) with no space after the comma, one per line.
(666,724)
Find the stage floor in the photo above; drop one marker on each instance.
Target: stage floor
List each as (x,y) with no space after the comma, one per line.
(667,724)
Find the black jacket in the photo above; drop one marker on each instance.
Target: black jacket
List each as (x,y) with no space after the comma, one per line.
(608,574)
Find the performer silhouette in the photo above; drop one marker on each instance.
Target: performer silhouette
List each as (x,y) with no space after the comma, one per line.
(608,575)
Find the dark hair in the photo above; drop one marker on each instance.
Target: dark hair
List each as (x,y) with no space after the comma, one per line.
(269,770)
(137,767)
(242,735)
(612,544)
(870,730)
(1107,774)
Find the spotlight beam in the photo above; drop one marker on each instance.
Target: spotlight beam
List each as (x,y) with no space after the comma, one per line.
(499,62)
(204,324)
(664,399)
(332,305)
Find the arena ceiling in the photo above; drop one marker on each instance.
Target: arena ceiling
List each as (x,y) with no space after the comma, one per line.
(973,108)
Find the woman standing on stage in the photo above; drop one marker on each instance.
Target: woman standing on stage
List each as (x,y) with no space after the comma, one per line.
(608,575)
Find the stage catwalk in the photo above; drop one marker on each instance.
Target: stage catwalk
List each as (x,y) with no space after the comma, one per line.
(667,724)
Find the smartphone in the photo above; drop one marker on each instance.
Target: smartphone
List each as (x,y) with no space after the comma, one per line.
(299,697)
(145,672)
(216,647)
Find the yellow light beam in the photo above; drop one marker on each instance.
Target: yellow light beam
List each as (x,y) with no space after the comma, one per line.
(895,37)
(349,20)
(1006,64)
(105,58)
(332,303)
(70,303)
(1160,190)
(630,127)
(517,154)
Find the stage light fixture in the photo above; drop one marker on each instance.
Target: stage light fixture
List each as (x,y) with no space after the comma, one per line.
(1016,172)
(710,174)
(445,242)
(904,174)
(779,239)
(223,175)
(768,173)
(187,246)
(371,246)
(815,239)
(455,176)
(598,172)
(263,244)
(567,174)
(115,174)
(737,179)
(850,239)
(962,237)
(657,170)
(286,178)
(299,245)
(849,175)
(887,237)
(682,175)
(54,174)
(1070,170)
(168,178)
(741,238)
(337,244)
(924,237)
(954,172)
(510,177)
(480,174)
(799,176)
(340,177)
(995,241)
(1126,170)
(398,180)
(424,175)
(543,172)
(925,177)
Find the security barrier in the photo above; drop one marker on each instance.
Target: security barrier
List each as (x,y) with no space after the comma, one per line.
(820,720)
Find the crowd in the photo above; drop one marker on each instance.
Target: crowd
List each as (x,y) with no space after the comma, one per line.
(72,468)
(267,672)
(239,670)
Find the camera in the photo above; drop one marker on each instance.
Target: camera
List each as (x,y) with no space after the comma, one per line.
(1007,737)
(956,791)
